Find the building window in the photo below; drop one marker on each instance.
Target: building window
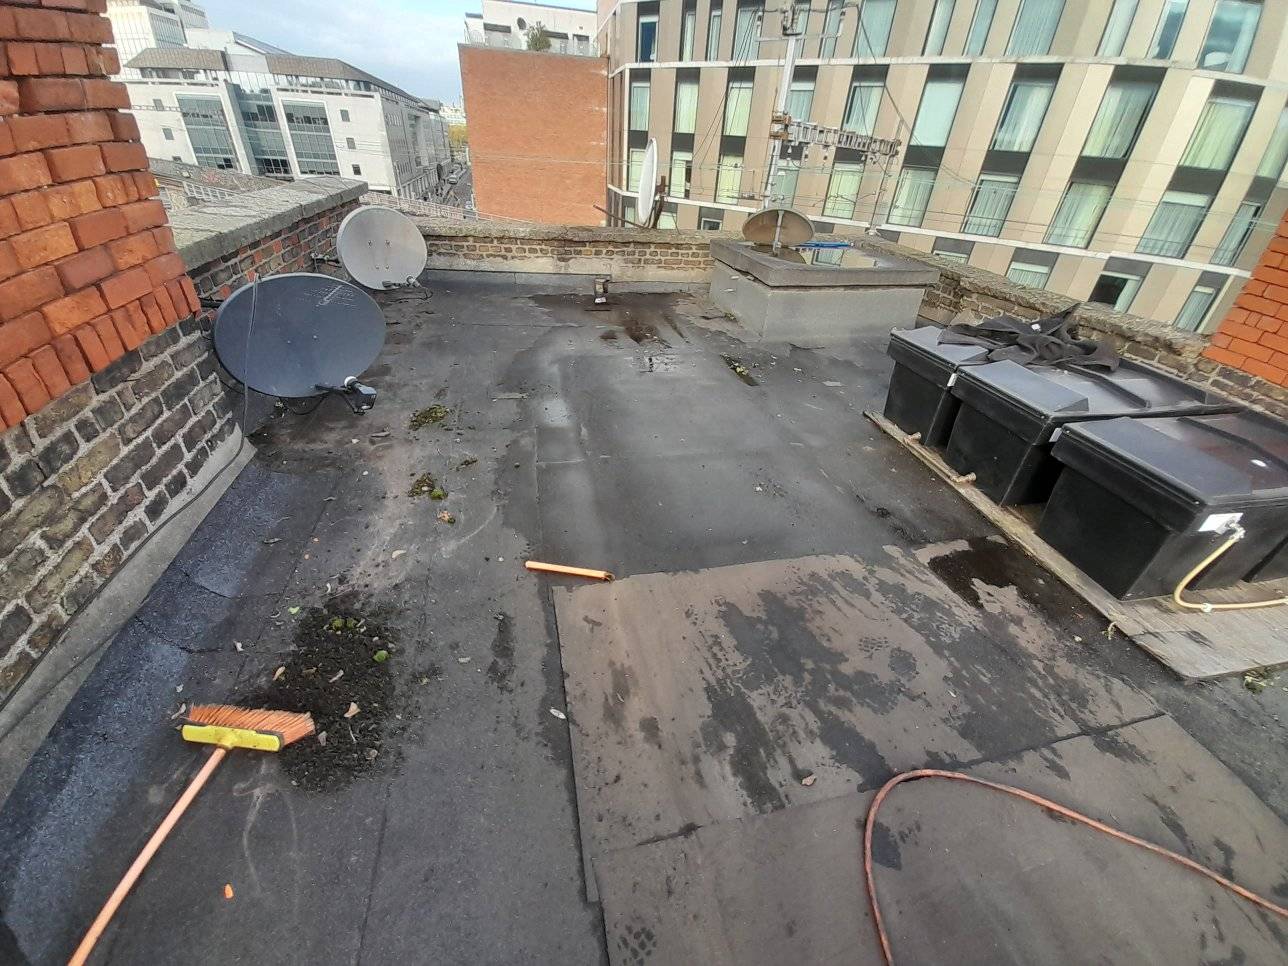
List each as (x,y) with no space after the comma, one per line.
(979,27)
(1218,134)
(729,179)
(1026,106)
(681,173)
(634,168)
(828,256)
(1080,210)
(1230,35)
(1196,307)
(646,52)
(1115,289)
(937,32)
(737,108)
(357,168)
(800,97)
(713,33)
(167,133)
(157,104)
(1119,120)
(1027,273)
(688,26)
(990,204)
(831,29)
(861,109)
(277,166)
(1169,25)
(951,256)
(665,219)
(1116,28)
(639,105)
(784,190)
(843,189)
(911,196)
(1034,27)
(344,115)
(1272,162)
(935,114)
(207,127)
(873,32)
(709,224)
(686,106)
(1236,236)
(351,144)
(175,157)
(311,135)
(746,31)
(1176,221)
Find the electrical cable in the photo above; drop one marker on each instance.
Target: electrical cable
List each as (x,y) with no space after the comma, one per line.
(1064,811)
(1237,534)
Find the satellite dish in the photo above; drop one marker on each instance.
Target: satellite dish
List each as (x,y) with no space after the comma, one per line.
(778,227)
(381,248)
(648,184)
(299,335)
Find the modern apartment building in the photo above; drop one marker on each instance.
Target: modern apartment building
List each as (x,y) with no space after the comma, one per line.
(505,23)
(1126,151)
(249,107)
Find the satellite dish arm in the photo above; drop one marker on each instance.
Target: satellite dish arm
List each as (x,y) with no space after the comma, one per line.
(659,200)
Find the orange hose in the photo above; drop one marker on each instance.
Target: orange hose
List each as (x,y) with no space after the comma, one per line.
(568,571)
(1046,803)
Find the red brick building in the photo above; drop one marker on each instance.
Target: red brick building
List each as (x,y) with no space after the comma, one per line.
(1254,336)
(538,124)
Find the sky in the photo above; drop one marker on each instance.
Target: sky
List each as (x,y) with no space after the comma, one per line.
(410,43)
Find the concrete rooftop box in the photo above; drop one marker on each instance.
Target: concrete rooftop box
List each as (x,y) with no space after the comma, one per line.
(778,298)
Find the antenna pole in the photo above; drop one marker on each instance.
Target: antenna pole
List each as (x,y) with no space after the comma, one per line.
(792,34)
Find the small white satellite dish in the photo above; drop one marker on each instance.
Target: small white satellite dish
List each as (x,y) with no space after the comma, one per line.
(648,184)
(381,248)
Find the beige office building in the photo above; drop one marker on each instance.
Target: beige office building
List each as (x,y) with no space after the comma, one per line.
(1126,151)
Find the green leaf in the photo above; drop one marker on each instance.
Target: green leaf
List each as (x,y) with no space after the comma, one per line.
(380,656)
(292,610)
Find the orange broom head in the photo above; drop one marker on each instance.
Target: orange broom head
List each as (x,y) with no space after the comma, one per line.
(222,718)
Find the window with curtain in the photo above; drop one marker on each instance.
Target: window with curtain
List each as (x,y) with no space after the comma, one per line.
(785,183)
(936,112)
(713,31)
(688,26)
(678,179)
(990,204)
(979,27)
(1218,134)
(1230,35)
(1196,307)
(1236,236)
(686,106)
(666,219)
(800,97)
(843,189)
(1272,162)
(1122,112)
(1026,273)
(729,178)
(639,105)
(647,49)
(1169,26)
(1175,223)
(737,107)
(709,224)
(746,32)
(831,29)
(873,31)
(1034,27)
(1026,106)
(634,167)
(1116,289)
(951,256)
(1080,211)
(937,32)
(628,209)
(911,196)
(861,109)
(1116,27)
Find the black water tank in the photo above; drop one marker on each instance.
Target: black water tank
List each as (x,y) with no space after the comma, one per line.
(924,368)
(1008,412)
(1131,504)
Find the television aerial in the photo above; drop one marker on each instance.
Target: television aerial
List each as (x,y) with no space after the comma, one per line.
(381,248)
(301,335)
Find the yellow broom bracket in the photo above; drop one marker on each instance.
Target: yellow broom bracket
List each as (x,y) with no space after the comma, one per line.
(226,737)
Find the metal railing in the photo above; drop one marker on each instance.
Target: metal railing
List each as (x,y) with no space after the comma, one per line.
(433,209)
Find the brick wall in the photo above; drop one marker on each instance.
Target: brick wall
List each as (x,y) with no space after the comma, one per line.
(538,123)
(88,476)
(1254,336)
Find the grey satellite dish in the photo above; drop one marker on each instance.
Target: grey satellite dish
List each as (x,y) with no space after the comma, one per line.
(301,335)
(779,227)
(647,190)
(381,248)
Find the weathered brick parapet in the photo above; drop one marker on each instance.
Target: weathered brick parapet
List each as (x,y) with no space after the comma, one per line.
(627,254)
(86,478)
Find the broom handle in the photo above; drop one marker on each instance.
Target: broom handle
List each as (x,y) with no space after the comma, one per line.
(132,874)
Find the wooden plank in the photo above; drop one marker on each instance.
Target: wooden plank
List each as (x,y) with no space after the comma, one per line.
(1194,645)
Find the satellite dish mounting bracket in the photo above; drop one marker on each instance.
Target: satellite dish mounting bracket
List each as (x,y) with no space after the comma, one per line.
(358,396)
